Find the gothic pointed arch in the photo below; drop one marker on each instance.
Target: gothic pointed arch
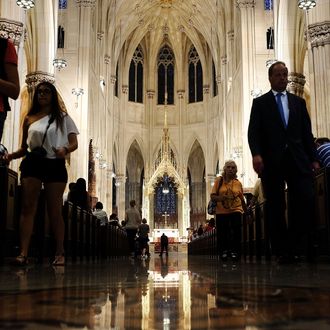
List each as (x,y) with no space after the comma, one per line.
(134,170)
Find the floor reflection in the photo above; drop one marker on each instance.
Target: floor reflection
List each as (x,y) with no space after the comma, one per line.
(166,293)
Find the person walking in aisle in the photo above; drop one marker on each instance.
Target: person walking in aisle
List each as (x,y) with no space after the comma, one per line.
(49,135)
(163,244)
(133,220)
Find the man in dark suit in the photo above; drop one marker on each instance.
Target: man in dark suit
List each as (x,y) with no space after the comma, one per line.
(283,151)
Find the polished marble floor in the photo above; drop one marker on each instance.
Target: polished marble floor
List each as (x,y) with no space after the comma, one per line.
(166,293)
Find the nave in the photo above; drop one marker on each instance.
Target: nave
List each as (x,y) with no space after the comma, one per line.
(178,292)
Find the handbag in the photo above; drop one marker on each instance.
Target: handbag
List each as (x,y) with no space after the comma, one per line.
(39,152)
(212,205)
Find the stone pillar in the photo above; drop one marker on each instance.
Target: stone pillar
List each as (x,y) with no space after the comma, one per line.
(296,83)
(247,10)
(319,35)
(120,185)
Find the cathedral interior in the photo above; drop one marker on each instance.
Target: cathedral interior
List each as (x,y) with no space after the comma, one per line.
(161,93)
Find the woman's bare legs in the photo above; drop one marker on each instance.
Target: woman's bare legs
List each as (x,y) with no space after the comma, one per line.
(30,195)
(54,199)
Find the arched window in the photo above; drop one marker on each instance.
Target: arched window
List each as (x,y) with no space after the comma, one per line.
(195,76)
(116,82)
(215,85)
(166,75)
(135,87)
(60,37)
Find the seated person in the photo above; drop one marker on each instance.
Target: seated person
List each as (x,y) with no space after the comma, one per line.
(323,151)
(100,214)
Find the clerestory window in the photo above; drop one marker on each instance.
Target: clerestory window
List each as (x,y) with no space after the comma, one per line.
(166,75)
(195,76)
(135,85)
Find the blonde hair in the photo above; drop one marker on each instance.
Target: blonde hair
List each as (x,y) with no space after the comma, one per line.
(230,161)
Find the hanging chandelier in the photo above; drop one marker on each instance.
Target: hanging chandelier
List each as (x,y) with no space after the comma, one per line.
(306,4)
(60,63)
(25,4)
(77,91)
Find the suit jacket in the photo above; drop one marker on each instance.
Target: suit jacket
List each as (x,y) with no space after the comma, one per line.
(269,138)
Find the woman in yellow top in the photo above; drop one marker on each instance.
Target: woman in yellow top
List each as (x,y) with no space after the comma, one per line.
(229,210)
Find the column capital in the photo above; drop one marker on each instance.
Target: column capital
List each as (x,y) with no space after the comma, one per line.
(245,3)
(113,79)
(124,89)
(181,93)
(296,82)
(106,59)
(319,34)
(231,35)
(12,30)
(150,93)
(86,3)
(218,79)
(34,78)
(224,60)
(206,89)
(100,35)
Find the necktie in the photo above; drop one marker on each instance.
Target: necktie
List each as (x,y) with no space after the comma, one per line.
(280,107)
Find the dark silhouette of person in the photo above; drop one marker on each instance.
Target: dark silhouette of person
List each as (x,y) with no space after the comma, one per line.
(283,151)
(163,244)
(79,195)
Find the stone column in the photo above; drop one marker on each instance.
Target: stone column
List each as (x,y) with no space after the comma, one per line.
(319,34)
(149,121)
(120,184)
(296,83)
(247,9)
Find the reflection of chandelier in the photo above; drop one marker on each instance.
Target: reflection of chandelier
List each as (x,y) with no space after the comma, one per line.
(306,4)
(60,63)
(25,4)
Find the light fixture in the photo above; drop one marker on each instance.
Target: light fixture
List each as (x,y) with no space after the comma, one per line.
(59,63)
(306,4)
(270,62)
(77,91)
(256,92)
(25,4)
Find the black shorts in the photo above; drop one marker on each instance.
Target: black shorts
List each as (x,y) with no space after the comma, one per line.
(44,169)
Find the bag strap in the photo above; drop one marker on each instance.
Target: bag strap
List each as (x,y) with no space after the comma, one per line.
(44,137)
(220,184)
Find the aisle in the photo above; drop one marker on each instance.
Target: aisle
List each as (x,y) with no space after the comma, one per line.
(166,293)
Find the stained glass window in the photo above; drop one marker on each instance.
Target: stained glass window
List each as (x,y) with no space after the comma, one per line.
(166,202)
(268,4)
(62,4)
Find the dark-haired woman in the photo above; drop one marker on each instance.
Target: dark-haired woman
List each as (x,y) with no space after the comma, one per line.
(47,126)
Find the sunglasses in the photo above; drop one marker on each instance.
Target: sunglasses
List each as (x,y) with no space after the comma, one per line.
(44,91)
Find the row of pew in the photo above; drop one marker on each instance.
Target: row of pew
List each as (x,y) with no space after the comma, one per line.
(84,235)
